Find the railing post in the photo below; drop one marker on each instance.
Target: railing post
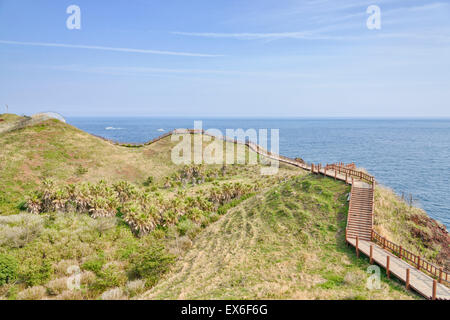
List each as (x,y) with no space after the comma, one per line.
(346,178)
(418,262)
(434,290)
(388,273)
(384,242)
(312,167)
(335,173)
(400,253)
(371,254)
(440,274)
(357,249)
(407,279)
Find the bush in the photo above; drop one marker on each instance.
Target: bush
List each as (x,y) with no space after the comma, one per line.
(35,274)
(19,229)
(95,265)
(109,277)
(80,170)
(150,263)
(135,287)
(103,224)
(8,269)
(33,293)
(148,181)
(57,286)
(188,227)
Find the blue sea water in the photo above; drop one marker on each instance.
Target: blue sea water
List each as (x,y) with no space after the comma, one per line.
(409,156)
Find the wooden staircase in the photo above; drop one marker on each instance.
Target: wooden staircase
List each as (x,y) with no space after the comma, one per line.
(360,214)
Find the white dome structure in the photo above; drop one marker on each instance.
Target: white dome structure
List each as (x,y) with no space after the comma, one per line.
(48,115)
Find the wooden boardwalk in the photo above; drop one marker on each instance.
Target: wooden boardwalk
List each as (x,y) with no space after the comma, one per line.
(360,213)
(418,280)
(360,226)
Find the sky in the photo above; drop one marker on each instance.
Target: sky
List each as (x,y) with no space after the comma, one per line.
(233,58)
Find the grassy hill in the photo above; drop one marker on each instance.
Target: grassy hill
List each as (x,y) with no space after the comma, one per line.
(131,224)
(65,154)
(287,243)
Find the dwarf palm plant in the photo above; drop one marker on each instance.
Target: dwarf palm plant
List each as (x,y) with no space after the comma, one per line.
(34,203)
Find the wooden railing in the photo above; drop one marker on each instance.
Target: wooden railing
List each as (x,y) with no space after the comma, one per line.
(351,171)
(415,260)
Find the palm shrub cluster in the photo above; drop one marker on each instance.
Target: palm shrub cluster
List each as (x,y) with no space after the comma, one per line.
(143,211)
(99,200)
(195,174)
(221,194)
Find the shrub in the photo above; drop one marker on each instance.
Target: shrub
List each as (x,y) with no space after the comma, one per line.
(8,269)
(80,170)
(57,286)
(150,263)
(148,181)
(103,224)
(135,287)
(188,227)
(33,293)
(62,267)
(108,277)
(35,274)
(95,264)
(19,229)
(213,217)
(88,278)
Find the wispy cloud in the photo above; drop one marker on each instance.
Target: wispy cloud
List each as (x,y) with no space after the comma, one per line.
(136,71)
(334,23)
(269,35)
(129,50)
(315,36)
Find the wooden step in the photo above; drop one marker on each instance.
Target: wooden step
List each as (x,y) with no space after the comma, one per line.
(360,212)
(354,234)
(359,227)
(360,223)
(366,234)
(359,215)
(362,236)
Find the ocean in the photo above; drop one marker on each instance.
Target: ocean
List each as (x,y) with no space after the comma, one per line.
(408,156)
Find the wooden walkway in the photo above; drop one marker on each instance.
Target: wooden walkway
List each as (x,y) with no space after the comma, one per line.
(360,213)
(418,280)
(360,226)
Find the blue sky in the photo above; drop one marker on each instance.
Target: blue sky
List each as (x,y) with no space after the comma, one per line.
(252,58)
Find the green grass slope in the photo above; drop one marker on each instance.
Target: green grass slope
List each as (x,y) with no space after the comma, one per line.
(65,154)
(288,243)
(39,253)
